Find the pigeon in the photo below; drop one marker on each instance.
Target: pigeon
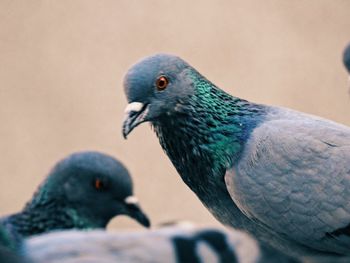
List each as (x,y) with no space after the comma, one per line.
(281,175)
(346,58)
(83,191)
(173,244)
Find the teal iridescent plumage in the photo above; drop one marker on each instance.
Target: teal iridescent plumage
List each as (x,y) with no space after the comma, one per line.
(208,127)
(10,246)
(9,239)
(83,191)
(227,119)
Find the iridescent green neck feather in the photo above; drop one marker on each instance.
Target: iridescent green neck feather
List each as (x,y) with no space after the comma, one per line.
(44,213)
(47,216)
(207,131)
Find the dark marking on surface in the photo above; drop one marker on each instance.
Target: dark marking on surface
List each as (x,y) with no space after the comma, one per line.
(340,231)
(186,247)
(185,250)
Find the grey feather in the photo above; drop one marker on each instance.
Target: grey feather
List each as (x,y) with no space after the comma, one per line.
(304,192)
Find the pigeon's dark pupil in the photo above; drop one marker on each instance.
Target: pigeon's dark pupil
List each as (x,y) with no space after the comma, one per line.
(98,184)
(162,82)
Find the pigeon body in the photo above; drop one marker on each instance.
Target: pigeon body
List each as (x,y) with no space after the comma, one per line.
(83,191)
(175,244)
(282,175)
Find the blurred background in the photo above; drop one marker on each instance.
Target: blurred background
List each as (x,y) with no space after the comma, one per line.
(62,64)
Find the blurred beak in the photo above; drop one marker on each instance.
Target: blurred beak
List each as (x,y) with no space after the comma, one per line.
(135,212)
(135,114)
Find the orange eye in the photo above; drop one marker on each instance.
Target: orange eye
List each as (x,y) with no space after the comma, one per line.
(99,185)
(161,83)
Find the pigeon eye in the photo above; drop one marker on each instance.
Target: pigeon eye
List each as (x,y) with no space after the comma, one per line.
(161,83)
(99,185)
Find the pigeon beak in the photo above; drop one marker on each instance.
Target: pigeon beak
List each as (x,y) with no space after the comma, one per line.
(135,114)
(134,211)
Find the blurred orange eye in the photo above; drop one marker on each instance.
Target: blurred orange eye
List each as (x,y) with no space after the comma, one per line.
(162,82)
(99,184)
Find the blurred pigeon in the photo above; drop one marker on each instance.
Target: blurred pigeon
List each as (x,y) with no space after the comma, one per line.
(182,244)
(83,191)
(346,57)
(281,175)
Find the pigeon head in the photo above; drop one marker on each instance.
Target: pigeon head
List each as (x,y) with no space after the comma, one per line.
(156,87)
(195,121)
(92,187)
(346,57)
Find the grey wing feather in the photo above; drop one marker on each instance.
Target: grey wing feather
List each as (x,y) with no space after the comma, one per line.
(294,176)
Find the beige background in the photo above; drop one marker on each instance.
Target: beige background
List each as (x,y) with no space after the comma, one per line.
(62,64)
